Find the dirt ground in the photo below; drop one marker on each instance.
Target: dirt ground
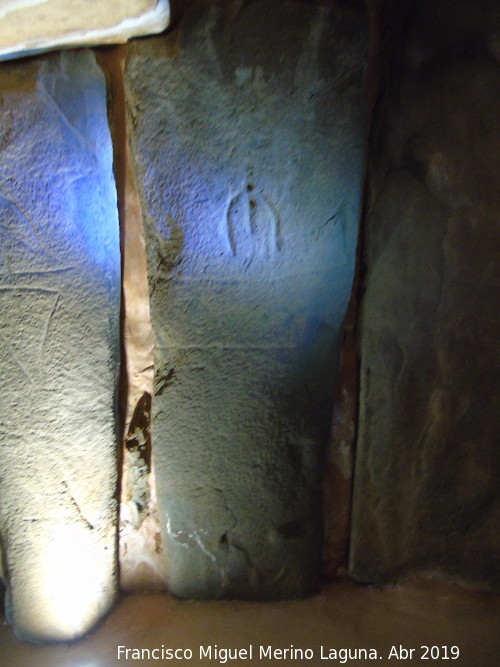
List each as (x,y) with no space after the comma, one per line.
(377,625)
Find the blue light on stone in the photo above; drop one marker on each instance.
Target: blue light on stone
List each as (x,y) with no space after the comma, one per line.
(59,346)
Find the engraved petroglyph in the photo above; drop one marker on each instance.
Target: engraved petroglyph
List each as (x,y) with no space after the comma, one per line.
(307,78)
(252,225)
(232,213)
(26,288)
(16,359)
(21,233)
(77,507)
(337,222)
(42,272)
(26,344)
(47,325)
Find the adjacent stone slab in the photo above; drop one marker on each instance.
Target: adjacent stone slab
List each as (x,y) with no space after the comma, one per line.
(29,26)
(59,342)
(426,486)
(247,132)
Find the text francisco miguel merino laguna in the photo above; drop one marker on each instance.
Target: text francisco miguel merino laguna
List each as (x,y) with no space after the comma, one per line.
(223,655)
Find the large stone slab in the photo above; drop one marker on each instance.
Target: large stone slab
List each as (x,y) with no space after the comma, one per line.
(426,493)
(29,26)
(247,132)
(59,342)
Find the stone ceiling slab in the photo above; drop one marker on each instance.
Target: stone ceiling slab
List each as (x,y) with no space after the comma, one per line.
(30,26)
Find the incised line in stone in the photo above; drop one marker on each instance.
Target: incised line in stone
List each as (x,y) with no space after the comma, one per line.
(6,197)
(14,357)
(62,115)
(47,325)
(77,507)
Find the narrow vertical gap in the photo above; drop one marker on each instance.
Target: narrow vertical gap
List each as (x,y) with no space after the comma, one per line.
(387,19)
(338,481)
(339,460)
(142,563)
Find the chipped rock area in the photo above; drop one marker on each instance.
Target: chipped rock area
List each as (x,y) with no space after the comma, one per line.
(246,124)
(59,352)
(31,26)
(142,559)
(426,485)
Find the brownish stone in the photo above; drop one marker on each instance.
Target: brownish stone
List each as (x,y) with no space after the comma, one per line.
(426,492)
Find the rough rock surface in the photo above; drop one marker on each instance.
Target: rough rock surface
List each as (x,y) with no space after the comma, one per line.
(28,26)
(428,462)
(247,133)
(59,321)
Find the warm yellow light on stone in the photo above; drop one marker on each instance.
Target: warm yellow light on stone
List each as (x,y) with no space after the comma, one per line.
(61,588)
(72,576)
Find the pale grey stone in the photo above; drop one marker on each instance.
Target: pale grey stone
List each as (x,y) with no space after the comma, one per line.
(247,132)
(59,328)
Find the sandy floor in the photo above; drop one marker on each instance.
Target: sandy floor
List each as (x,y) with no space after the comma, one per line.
(344,616)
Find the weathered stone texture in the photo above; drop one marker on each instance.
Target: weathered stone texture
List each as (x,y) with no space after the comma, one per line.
(59,320)
(428,462)
(30,26)
(247,133)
